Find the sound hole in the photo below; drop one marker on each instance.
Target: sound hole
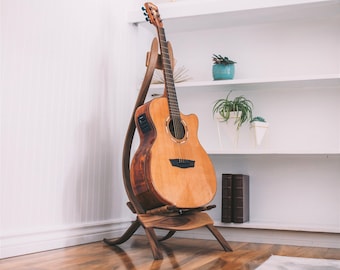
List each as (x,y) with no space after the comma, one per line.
(177,129)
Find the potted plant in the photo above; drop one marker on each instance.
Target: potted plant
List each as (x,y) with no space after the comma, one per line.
(223,68)
(259,125)
(239,108)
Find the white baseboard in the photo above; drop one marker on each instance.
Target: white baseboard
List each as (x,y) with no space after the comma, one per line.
(48,239)
(268,236)
(282,237)
(43,240)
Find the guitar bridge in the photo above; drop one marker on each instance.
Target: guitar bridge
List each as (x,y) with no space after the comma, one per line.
(182,163)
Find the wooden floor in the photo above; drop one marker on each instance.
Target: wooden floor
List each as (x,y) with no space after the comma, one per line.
(178,253)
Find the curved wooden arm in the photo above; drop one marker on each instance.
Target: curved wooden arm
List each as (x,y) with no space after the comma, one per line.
(153,62)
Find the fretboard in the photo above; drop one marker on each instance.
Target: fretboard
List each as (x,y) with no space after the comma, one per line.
(168,76)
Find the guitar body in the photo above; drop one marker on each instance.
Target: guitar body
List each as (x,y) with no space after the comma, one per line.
(166,170)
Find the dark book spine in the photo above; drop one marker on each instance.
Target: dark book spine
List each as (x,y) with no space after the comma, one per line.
(226,198)
(240,198)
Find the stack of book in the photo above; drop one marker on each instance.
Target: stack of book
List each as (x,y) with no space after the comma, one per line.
(235,198)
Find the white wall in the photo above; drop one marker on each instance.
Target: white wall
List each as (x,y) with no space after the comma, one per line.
(66,98)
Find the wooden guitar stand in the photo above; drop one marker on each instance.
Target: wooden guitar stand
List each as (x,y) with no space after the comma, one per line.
(167,217)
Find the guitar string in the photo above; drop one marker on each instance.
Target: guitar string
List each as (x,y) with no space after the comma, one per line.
(179,131)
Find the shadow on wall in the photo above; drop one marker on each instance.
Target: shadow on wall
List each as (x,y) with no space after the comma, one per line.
(89,190)
(92,192)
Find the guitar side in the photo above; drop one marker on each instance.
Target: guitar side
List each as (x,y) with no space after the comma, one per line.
(166,170)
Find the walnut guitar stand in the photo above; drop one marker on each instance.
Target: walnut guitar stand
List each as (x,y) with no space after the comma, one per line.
(167,217)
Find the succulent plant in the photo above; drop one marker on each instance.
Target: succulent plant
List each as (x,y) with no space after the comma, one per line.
(258,119)
(219,59)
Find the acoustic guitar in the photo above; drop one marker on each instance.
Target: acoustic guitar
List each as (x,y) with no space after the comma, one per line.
(170,167)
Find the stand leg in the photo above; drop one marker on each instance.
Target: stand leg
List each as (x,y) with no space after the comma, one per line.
(170,233)
(219,237)
(155,247)
(130,231)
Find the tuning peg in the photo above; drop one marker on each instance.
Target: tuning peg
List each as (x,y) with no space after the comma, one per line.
(143,8)
(147,19)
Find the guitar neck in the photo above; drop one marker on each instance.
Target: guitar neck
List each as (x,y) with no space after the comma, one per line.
(168,76)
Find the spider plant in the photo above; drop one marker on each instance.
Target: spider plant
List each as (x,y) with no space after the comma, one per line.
(240,104)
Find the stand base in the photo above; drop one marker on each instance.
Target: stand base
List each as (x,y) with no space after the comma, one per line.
(172,223)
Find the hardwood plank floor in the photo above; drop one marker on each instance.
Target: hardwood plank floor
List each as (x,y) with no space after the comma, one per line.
(179,253)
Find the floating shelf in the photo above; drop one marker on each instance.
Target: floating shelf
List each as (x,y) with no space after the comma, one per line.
(191,15)
(325,81)
(277,153)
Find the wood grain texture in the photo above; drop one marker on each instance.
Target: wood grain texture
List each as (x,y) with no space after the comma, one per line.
(176,223)
(154,179)
(179,253)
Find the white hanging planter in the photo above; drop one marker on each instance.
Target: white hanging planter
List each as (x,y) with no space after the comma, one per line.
(232,117)
(260,129)
(228,128)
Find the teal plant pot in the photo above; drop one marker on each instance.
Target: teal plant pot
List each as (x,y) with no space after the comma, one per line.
(223,72)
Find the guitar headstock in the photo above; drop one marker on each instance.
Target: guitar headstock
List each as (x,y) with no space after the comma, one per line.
(152,14)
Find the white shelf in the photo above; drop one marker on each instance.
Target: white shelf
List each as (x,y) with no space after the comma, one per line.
(191,15)
(278,226)
(268,153)
(315,81)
